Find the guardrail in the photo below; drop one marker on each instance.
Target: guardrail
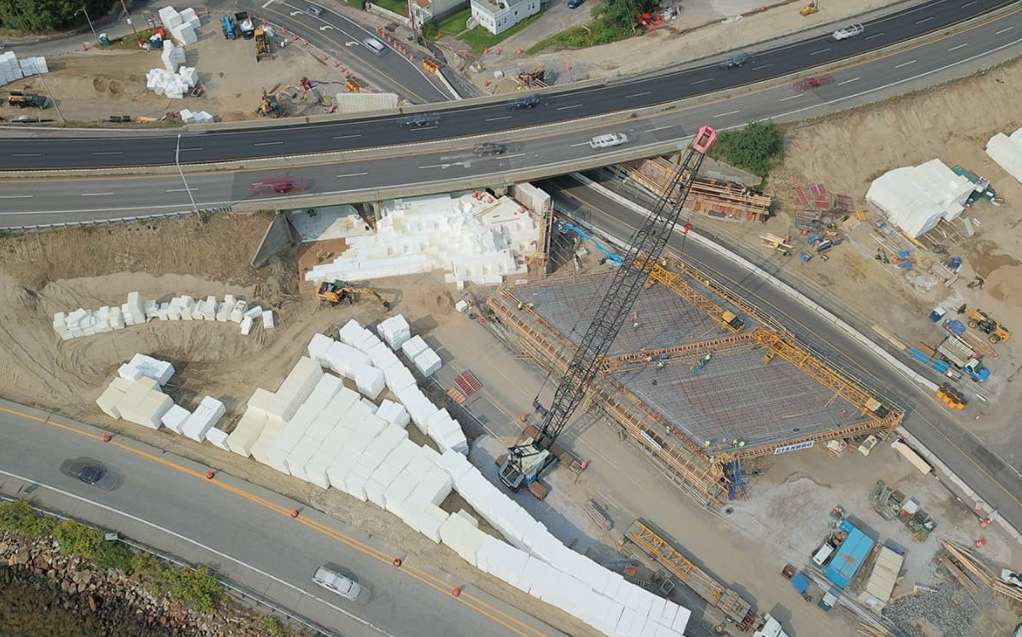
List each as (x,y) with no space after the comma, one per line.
(204,213)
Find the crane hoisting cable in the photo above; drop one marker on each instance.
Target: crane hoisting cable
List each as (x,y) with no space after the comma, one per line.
(526,461)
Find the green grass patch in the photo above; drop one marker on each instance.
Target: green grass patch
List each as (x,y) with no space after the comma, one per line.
(599,31)
(480,39)
(453,24)
(129,41)
(20,518)
(757,148)
(397,6)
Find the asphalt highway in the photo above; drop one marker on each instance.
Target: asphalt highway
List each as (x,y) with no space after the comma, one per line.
(29,152)
(242,531)
(435,167)
(988,475)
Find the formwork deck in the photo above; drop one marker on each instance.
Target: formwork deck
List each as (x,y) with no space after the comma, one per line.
(664,319)
(736,397)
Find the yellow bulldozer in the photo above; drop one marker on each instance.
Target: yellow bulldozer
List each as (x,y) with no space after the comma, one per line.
(980,320)
(811,8)
(333,293)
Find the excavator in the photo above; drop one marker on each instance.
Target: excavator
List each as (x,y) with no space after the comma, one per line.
(336,292)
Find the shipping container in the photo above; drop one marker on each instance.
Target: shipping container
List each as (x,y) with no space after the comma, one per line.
(849,557)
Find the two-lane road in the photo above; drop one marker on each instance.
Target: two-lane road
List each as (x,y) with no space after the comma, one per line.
(244,532)
(28,152)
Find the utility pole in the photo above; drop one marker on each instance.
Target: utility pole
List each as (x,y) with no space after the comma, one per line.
(52,98)
(133,30)
(177,162)
(89,20)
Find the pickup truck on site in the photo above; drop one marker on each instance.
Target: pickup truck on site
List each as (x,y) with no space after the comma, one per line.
(17,99)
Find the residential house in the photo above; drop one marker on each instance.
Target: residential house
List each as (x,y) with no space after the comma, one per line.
(497,16)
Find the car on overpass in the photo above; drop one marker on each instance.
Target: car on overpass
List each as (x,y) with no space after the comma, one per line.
(849,31)
(279,186)
(524,103)
(608,140)
(490,149)
(421,120)
(735,61)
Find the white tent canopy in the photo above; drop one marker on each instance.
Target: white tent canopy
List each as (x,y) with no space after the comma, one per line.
(1007,152)
(916,198)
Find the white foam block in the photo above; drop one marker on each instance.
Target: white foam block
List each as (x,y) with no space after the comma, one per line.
(413,347)
(175,418)
(205,416)
(463,538)
(350,332)
(247,431)
(427,362)
(370,381)
(398,377)
(218,437)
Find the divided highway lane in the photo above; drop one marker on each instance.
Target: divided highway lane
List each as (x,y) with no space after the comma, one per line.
(244,532)
(30,202)
(569,105)
(334,33)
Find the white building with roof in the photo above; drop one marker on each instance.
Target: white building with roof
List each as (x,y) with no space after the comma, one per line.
(916,198)
(1007,152)
(497,16)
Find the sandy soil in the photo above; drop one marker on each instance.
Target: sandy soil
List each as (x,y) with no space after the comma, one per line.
(92,86)
(667,46)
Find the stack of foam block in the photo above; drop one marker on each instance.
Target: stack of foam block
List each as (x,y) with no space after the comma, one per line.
(142,366)
(136,311)
(539,564)
(394,331)
(173,85)
(181,25)
(172,56)
(421,356)
(12,69)
(440,232)
(195,117)
(138,401)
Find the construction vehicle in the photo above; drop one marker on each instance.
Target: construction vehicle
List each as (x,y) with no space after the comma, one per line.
(336,292)
(430,65)
(262,43)
(958,353)
(811,8)
(951,397)
(17,99)
(354,85)
(270,106)
(525,462)
(980,320)
(245,25)
(230,28)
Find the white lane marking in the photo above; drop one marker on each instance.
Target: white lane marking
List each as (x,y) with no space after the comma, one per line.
(791,97)
(268,143)
(424,128)
(182,189)
(926,19)
(877,35)
(326,27)
(960,46)
(904,64)
(162,529)
(703,81)
(968,4)
(820,51)
(27,155)
(497,119)
(585,143)
(638,94)
(351,175)
(345,137)
(761,66)
(1004,30)
(564,108)
(15,196)
(108,152)
(843,82)
(505,156)
(97,194)
(268,3)
(727,113)
(664,127)
(185,150)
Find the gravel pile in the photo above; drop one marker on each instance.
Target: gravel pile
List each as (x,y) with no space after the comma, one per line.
(949,609)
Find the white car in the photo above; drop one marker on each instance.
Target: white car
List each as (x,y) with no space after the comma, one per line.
(346,587)
(608,141)
(849,31)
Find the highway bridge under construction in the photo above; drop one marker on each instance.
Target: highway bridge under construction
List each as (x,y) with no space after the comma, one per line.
(697,377)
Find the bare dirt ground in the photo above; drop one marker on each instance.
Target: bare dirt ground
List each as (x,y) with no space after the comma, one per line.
(846,152)
(45,273)
(92,86)
(667,46)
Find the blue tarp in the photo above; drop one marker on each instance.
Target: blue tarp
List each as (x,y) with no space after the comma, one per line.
(850,555)
(800,582)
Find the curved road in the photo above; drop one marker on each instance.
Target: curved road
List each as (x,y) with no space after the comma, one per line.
(242,531)
(52,151)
